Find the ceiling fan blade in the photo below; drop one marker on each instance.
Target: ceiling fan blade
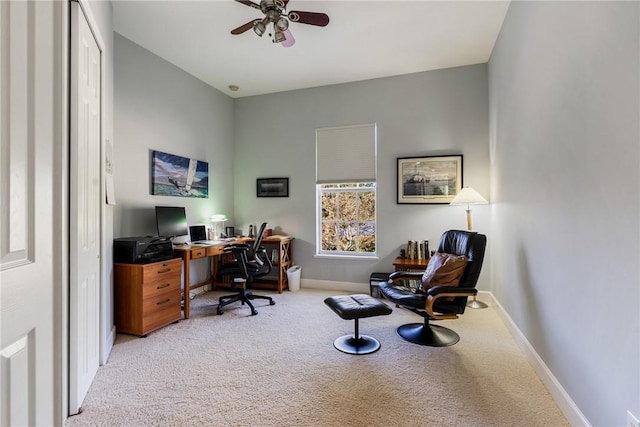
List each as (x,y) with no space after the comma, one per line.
(311,18)
(249,3)
(245,27)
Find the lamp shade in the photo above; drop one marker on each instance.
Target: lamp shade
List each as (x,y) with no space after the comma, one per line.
(218,218)
(468,196)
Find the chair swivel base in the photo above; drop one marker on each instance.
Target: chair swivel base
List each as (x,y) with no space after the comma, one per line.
(430,335)
(245,298)
(351,345)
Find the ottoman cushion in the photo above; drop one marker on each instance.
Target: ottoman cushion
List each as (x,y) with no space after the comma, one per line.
(357,306)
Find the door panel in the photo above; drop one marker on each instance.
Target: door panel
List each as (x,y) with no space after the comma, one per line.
(31,130)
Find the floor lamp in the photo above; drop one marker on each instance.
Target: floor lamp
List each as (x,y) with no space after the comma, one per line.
(468,196)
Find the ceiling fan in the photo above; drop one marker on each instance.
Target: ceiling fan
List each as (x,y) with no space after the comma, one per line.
(277,17)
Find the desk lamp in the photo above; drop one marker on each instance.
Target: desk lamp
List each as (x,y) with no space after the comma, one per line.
(217,219)
(468,196)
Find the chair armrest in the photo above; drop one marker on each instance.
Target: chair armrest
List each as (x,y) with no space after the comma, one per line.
(407,275)
(261,256)
(437,292)
(235,247)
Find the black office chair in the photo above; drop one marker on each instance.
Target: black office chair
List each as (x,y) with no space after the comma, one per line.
(249,263)
(439,302)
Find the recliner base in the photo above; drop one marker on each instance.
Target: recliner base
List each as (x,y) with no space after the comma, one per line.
(429,335)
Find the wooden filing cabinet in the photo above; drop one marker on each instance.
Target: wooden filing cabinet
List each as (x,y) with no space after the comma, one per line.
(147,296)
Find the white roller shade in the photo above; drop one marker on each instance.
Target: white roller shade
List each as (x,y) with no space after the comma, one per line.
(346,154)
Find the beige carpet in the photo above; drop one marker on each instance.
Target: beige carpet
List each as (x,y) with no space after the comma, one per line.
(279,368)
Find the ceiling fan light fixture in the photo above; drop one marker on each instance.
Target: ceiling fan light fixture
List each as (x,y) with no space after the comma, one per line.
(275,13)
(282,24)
(279,36)
(289,40)
(261,26)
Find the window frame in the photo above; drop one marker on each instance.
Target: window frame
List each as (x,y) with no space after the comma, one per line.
(358,187)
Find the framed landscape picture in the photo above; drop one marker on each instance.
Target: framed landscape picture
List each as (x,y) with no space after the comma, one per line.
(429,180)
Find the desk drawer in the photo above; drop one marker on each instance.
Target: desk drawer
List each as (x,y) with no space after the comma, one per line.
(198,253)
(215,250)
(170,268)
(162,284)
(160,311)
(160,278)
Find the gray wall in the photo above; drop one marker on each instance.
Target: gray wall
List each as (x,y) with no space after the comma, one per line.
(564,110)
(160,107)
(433,113)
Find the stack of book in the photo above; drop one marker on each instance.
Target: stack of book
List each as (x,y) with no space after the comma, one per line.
(418,249)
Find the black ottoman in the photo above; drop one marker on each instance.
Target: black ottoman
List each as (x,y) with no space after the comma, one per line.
(356,307)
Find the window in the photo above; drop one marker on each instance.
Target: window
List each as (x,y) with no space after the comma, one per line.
(347,218)
(346,191)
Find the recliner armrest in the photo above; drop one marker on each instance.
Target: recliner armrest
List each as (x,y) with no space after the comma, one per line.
(407,275)
(437,292)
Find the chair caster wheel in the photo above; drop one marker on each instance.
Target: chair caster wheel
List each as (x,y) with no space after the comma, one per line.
(220,312)
(254,312)
(272,303)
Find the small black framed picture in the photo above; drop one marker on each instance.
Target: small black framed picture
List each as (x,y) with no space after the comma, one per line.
(272,187)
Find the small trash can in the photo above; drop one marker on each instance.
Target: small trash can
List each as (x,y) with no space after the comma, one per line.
(293,276)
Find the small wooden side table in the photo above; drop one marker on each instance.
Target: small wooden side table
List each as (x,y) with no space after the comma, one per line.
(403,264)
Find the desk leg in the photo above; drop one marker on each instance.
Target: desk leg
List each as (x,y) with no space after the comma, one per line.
(187,284)
(215,259)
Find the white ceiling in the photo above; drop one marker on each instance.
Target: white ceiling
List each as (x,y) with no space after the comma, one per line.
(365,39)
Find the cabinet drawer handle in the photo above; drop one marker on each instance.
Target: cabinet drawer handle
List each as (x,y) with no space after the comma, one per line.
(164,301)
(166,270)
(163,286)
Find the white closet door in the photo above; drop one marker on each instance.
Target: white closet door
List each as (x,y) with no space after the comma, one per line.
(84,209)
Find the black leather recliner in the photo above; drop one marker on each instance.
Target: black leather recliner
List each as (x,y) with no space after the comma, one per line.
(249,263)
(436,304)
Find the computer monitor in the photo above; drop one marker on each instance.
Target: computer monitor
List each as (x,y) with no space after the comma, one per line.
(198,233)
(171,221)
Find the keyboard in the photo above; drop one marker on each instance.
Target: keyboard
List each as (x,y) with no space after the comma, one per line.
(212,242)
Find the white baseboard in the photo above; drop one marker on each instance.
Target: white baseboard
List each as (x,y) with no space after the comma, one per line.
(108,345)
(559,394)
(356,288)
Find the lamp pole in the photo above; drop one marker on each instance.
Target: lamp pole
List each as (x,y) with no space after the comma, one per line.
(469,227)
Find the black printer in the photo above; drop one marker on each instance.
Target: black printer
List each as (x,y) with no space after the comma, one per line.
(142,250)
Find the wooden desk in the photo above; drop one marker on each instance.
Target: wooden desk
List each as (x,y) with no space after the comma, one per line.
(403,264)
(189,252)
(276,281)
(279,250)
